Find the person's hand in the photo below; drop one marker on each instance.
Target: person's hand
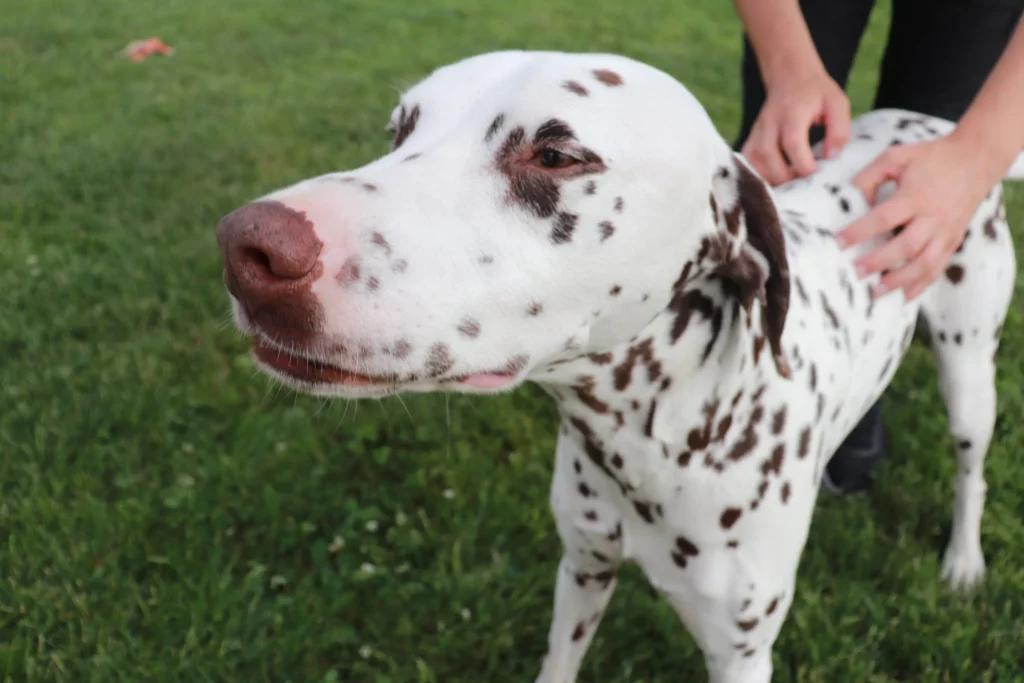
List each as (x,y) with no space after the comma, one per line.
(940,184)
(793,105)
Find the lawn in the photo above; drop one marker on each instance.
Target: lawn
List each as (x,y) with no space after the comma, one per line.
(169,515)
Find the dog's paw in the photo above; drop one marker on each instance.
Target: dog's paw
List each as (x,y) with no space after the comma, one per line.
(963,566)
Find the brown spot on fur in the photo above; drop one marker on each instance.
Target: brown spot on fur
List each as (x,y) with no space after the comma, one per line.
(990,229)
(748,625)
(579,632)
(379,240)
(805,443)
(608,77)
(779,420)
(649,424)
(644,510)
(785,492)
(607,229)
(684,550)
(623,372)
(535,309)
(684,304)
(349,273)
(495,127)
(729,517)
(439,360)
(575,88)
(590,187)
(618,205)
(565,225)
(405,125)
(469,327)
(774,463)
(584,389)
(955,274)
(400,349)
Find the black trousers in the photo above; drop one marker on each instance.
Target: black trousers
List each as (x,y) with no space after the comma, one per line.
(938,54)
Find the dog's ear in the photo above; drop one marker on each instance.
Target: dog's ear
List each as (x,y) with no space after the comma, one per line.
(752,252)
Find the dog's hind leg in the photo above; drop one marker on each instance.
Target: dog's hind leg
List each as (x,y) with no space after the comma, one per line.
(967,384)
(965,310)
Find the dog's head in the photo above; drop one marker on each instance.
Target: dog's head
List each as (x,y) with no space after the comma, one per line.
(533,206)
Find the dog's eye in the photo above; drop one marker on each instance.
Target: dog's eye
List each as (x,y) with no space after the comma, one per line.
(552,158)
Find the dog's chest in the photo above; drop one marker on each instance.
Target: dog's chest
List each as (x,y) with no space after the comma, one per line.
(705,473)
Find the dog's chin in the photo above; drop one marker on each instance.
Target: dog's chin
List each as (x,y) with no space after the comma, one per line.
(317,377)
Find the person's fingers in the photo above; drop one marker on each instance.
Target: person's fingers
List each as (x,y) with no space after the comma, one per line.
(887,166)
(836,112)
(762,150)
(883,219)
(897,251)
(797,145)
(919,269)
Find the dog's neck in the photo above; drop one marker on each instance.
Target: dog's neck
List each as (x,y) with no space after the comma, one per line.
(704,345)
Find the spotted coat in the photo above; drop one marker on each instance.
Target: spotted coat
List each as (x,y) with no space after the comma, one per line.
(578,222)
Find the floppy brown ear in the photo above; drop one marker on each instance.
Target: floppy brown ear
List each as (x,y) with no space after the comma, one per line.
(764,233)
(751,250)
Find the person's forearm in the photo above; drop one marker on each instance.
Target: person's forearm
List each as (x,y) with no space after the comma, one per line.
(994,123)
(779,36)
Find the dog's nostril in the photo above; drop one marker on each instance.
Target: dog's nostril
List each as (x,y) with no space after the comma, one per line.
(256,260)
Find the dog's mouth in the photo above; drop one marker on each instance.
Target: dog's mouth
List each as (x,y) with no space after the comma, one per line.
(310,370)
(307,371)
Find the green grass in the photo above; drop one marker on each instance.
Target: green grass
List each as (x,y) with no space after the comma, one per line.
(168,515)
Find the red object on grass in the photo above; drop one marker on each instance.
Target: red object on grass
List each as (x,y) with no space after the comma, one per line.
(140,49)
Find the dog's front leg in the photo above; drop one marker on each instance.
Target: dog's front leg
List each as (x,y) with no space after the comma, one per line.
(581,597)
(592,536)
(736,627)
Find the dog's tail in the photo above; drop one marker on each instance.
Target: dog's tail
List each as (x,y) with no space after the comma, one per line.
(1016,171)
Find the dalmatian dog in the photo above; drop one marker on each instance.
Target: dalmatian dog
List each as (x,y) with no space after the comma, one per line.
(576,220)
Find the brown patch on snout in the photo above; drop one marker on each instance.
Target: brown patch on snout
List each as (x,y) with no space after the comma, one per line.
(271,259)
(537,168)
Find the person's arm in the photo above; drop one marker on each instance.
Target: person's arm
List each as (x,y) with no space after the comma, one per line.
(994,123)
(780,38)
(800,92)
(941,183)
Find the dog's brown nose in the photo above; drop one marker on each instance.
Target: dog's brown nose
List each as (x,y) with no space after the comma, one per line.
(271,258)
(267,249)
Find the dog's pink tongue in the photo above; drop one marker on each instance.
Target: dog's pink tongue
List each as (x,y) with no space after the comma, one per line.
(487,380)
